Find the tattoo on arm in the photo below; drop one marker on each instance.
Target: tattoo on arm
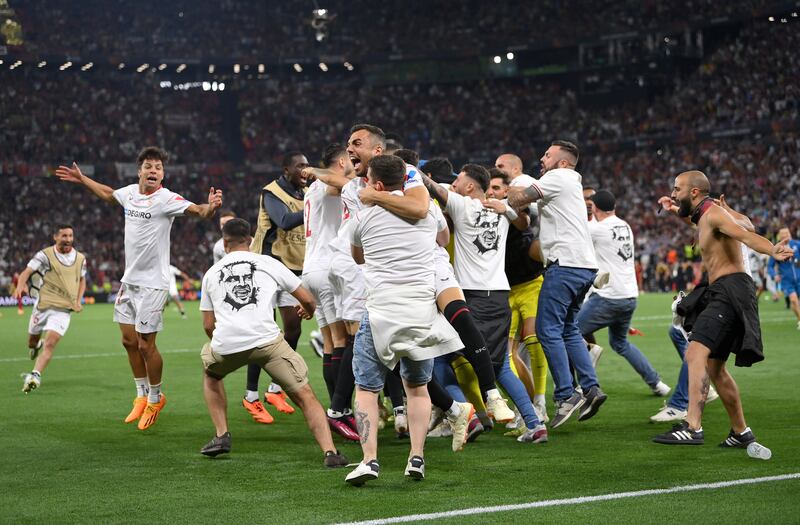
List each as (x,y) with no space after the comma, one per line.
(436,191)
(531,193)
(704,386)
(362,423)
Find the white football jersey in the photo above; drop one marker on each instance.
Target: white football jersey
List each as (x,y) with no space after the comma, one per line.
(322,215)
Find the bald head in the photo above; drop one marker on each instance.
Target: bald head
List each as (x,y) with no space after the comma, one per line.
(690,188)
(509,164)
(697,179)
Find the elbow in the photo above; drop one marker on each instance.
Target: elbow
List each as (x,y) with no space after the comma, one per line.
(419,212)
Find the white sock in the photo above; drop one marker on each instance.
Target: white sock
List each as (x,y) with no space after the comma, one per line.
(538,399)
(274,388)
(251,396)
(154,396)
(39,375)
(454,411)
(141,386)
(493,393)
(399,410)
(334,413)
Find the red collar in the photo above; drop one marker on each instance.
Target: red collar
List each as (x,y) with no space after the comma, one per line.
(701,209)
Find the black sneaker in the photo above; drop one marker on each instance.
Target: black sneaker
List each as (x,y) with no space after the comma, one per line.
(594,398)
(680,434)
(364,472)
(735,440)
(416,468)
(333,459)
(565,409)
(218,445)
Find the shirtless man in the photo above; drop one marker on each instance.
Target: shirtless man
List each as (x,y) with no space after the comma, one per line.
(728,322)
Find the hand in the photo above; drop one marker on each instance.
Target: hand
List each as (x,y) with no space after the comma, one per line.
(309,172)
(666,203)
(782,252)
(368,196)
(214,198)
(515,197)
(22,290)
(495,205)
(77,307)
(301,312)
(72,174)
(778,278)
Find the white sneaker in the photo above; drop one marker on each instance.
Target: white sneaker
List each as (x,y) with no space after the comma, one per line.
(661,389)
(594,354)
(415,469)
(541,411)
(668,413)
(364,472)
(498,408)
(712,395)
(460,425)
(516,422)
(437,415)
(401,423)
(443,429)
(601,279)
(31,382)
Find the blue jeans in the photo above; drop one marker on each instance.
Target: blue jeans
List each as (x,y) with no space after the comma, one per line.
(680,396)
(517,393)
(446,377)
(370,372)
(598,312)
(560,300)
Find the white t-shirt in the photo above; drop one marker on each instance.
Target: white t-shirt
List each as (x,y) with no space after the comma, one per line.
(564,230)
(441,224)
(396,252)
(746,259)
(613,244)
(148,221)
(523,181)
(480,244)
(218,250)
(40,263)
(239,290)
(322,215)
(173,273)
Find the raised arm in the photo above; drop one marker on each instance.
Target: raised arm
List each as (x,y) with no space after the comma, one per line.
(722,220)
(328,176)
(413,204)
(75,176)
(206,211)
(436,190)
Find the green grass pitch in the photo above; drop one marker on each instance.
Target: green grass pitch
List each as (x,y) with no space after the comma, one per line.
(67,457)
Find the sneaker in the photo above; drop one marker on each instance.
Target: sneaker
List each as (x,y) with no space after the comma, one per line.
(33,353)
(541,411)
(735,440)
(415,469)
(364,472)
(257,410)
(31,382)
(334,459)
(498,409)
(594,398)
(461,424)
(401,423)
(594,354)
(279,401)
(634,331)
(443,429)
(316,343)
(151,412)
(138,408)
(601,279)
(350,421)
(565,409)
(474,429)
(486,421)
(668,413)
(712,395)
(661,389)
(537,434)
(516,422)
(338,425)
(218,445)
(680,434)
(437,416)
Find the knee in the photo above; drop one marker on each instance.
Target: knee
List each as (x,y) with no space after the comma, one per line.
(130,343)
(146,347)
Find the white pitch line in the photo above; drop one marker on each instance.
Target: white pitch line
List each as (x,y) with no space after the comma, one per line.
(572,501)
(121,353)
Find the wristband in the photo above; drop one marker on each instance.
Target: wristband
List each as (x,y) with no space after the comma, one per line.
(510,213)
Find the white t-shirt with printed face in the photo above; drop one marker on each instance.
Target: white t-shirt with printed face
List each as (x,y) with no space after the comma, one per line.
(322,215)
(613,245)
(480,244)
(564,230)
(239,290)
(148,221)
(397,252)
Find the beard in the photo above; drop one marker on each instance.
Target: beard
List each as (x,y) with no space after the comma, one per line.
(684,207)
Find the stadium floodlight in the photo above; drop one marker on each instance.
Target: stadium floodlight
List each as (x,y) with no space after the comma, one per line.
(348,66)
(180,68)
(783,21)
(87,67)
(211,69)
(771,19)
(298,68)
(121,65)
(237,68)
(65,65)
(162,67)
(323,66)
(40,64)
(322,13)
(510,55)
(1,61)
(497,59)
(213,86)
(206,86)
(142,67)
(221,86)
(15,65)
(261,68)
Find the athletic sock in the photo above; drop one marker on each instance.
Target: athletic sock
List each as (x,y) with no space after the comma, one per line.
(274,388)
(453,412)
(251,396)
(336,361)
(539,364)
(39,375)
(154,396)
(460,317)
(345,381)
(141,386)
(253,371)
(439,396)
(327,375)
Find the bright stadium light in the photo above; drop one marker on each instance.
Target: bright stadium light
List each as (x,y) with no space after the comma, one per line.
(298,68)
(497,59)
(261,68)
(771,19)
(510,55)
(87,67)
(221,86)
(210,69)
(121,65)
(213,86)
(323,66)
(180,68)
(142,67)
(41,64)
(206,86)
(162,67)
(237,68)
(348,66)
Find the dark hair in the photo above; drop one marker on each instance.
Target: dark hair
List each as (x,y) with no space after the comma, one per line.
(226,213)
(332,153)
(409,156)
(439,169)
(236,230)
(495,173)
(377,133)
(477,173)
(287,158)
(152,153)
(569,147)
(394,137)
(62,226)
(604,200)
(388,169)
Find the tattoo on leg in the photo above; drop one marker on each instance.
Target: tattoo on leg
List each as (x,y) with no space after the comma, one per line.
(362,423)
(704,386)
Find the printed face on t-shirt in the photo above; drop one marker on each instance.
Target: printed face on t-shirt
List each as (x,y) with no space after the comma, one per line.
(487,222)
(622,237)
(237,278)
